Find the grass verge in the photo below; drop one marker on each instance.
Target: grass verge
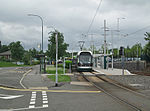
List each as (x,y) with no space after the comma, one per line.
(9,64)
(52,70)
(61,78)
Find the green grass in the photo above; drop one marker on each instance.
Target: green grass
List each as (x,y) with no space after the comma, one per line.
(61,78)
(52,70)
(9,64)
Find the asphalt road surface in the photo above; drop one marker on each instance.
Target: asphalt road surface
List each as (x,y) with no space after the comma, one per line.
(73,98)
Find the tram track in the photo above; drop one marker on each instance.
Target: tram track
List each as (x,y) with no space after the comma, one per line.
(119,93)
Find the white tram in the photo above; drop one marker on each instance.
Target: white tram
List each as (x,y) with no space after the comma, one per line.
(84,61)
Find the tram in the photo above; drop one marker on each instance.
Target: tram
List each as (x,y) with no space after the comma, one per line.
(84,61)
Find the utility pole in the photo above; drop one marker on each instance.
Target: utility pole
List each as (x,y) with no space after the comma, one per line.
(104,37)
(104,44)
(118,29)
(92,43)
(81,44)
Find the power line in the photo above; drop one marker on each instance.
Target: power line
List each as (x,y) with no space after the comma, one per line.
(94,16)
(137,31)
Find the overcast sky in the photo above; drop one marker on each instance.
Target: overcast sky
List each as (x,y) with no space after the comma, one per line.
(72,18)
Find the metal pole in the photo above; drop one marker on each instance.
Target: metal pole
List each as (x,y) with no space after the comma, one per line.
(123,62)
(56,84)
(72,53)
(42,35)
(137,51)
(64,65)
(112,51)
(104,37)
(104,44)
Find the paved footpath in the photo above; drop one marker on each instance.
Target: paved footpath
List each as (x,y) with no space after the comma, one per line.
(111,71)
(34,80)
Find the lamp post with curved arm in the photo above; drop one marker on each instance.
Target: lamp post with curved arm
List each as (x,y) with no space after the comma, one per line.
(42,26)
(42,38)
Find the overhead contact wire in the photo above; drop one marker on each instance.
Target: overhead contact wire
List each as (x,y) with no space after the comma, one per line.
(94,16)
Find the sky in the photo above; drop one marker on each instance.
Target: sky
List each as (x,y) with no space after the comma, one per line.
(73,18)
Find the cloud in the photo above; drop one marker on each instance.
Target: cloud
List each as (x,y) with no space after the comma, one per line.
(73,19)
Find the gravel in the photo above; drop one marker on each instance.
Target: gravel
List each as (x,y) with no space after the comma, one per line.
(137,81)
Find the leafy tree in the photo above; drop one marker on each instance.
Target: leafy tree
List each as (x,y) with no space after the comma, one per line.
(115,51)
(147,47)
(33,52)
(26,58)
(4,48)
(17,50)
(62,47)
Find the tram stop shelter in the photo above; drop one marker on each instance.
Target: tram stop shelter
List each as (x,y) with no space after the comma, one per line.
(99,60)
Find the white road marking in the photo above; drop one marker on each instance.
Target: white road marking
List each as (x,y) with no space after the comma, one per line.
(46,105)
(45,96)
(45,99)
(3,96)
(32,99)
(32,102)
(23,78)
(34,94)
(31,106)
(45,102)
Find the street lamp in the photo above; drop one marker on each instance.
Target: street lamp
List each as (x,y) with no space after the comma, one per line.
(118,21)
(42,34)
(42,26)
(56,38)
(118,28)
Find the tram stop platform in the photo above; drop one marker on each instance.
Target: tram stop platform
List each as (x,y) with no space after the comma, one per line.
(111,71)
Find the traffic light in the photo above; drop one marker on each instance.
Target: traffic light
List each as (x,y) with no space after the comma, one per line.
(121,51)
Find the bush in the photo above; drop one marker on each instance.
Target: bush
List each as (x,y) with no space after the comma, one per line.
(36,62)
(59,65)
(67,63)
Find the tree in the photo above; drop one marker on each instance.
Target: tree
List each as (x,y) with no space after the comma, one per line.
(4,48)
(26,58)
(17,50)
(62,47)
(115,51)
(147,47)
(33,52)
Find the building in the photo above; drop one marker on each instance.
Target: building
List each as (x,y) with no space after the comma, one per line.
(6,55)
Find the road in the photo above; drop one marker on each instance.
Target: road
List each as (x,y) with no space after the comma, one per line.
(67,97)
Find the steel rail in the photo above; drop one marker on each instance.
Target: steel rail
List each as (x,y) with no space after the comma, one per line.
(111,95)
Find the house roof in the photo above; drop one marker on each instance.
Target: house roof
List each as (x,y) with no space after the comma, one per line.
(5,53)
